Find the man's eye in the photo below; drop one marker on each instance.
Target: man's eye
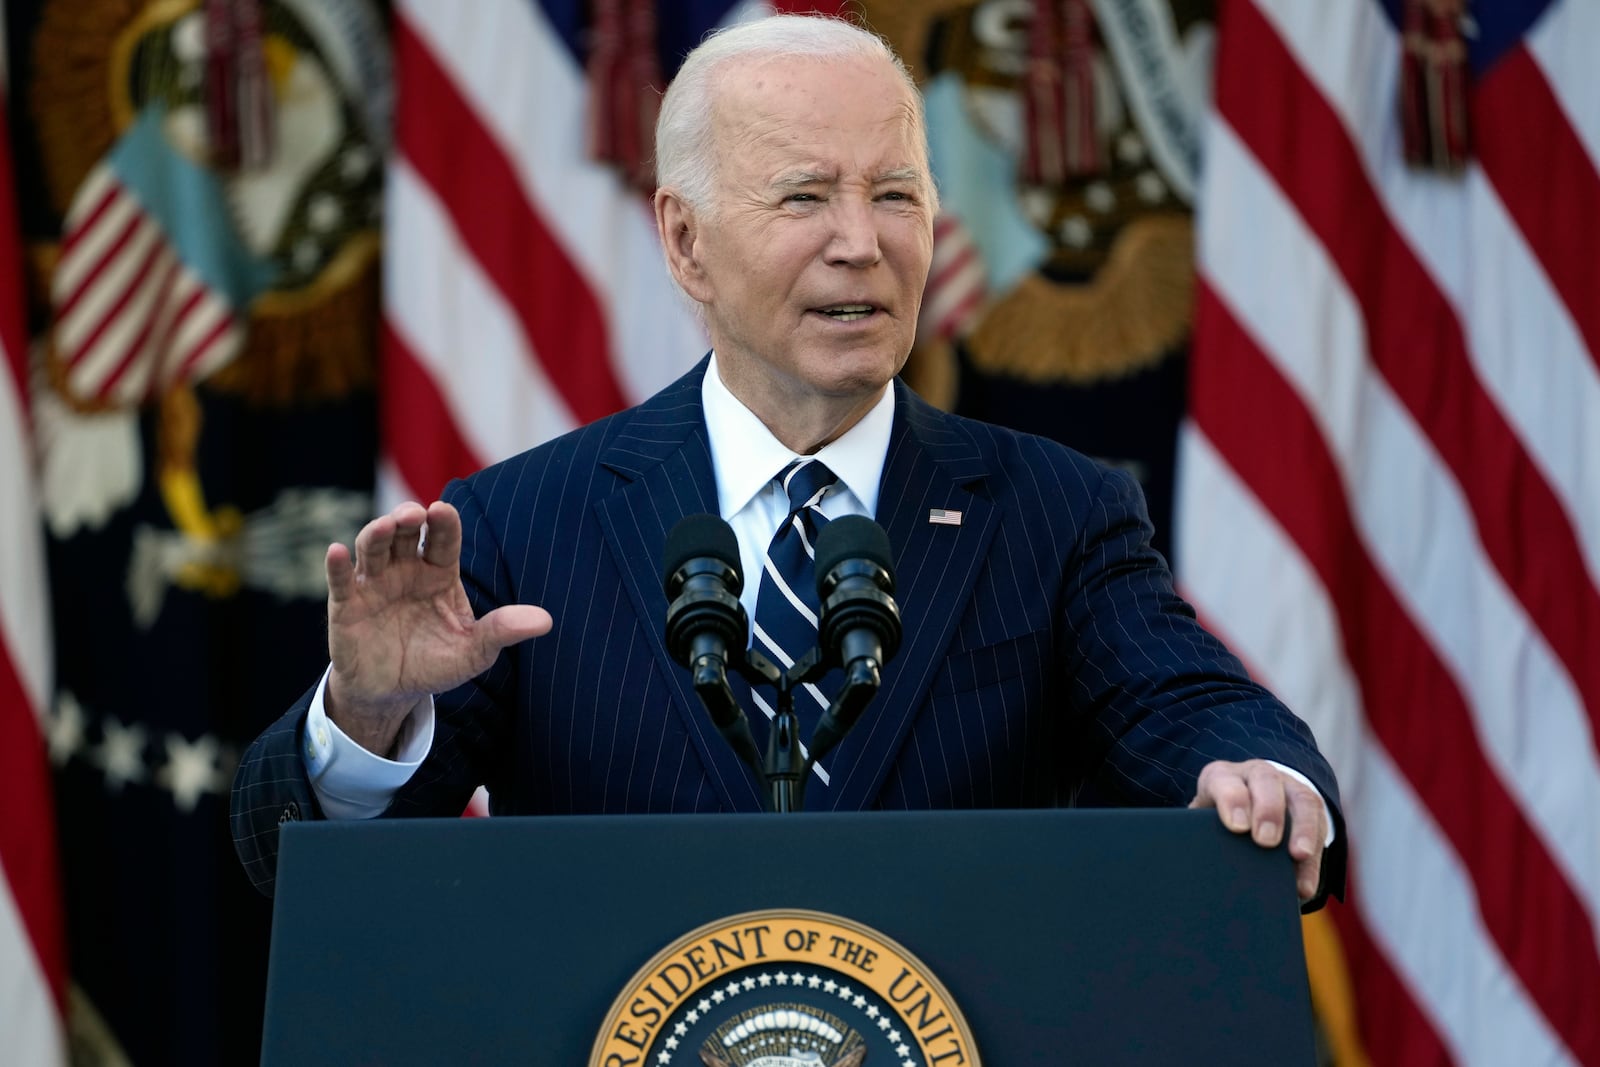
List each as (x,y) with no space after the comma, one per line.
(801,198)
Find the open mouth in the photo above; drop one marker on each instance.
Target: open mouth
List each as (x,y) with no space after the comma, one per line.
(848,312)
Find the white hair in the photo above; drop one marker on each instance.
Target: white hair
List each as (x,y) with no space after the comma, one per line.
(686,158)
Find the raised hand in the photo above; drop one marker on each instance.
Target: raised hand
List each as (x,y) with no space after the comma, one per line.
(399,623)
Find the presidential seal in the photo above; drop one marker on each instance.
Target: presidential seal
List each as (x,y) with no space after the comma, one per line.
(784,988)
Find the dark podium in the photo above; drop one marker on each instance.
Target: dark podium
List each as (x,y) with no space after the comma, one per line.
(1063,937)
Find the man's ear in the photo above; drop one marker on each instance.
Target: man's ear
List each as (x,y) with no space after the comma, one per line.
(680,242)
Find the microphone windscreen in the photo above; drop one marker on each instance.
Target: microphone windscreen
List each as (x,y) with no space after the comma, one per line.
(698,536)
(852,537)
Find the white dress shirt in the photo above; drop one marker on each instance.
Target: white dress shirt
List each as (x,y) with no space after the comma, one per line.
(353,783)
(746,458)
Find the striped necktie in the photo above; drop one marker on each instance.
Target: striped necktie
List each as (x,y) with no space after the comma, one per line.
(786,605)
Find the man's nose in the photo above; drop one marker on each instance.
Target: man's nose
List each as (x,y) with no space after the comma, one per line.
(855,234)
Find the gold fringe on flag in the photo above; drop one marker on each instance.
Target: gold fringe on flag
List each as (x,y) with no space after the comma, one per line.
(1332,995)
(1137,308)
(931,372)
(313,343)
(79,103)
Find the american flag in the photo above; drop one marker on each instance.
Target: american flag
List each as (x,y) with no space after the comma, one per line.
(956,283)
(1390,495)
(33,959)
(150,289)
(524,289)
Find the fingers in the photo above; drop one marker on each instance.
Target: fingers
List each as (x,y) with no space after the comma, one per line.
(509,624)
(1268,804)
(1257,797)
(408,519)
(1310,830)
(341,571)
(389,538)
(443,544)
(1306,813)
(1248,797)
(1308,873)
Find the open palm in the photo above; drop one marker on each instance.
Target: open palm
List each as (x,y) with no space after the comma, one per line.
(400,626)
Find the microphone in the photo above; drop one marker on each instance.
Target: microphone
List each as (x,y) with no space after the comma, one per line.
(706,624)
(702,578)
(859,624)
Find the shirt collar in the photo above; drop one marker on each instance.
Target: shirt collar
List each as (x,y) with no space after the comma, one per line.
(746,456)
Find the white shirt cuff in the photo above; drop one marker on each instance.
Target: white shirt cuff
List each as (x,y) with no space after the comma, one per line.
(1327,816)
(349,781)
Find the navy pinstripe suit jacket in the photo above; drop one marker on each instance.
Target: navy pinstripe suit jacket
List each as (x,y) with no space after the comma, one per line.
(1046,661)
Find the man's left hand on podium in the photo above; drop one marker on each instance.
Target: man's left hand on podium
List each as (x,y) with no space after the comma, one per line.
(1254,797)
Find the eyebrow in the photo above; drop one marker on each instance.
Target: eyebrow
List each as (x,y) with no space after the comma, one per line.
(803,178)
(903,174)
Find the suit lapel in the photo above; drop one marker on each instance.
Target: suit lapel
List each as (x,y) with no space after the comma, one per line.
(931,464)
(663,455)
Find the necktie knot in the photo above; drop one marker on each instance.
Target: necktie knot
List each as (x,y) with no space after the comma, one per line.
(806,481)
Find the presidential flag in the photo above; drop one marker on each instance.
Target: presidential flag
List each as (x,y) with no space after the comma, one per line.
(201,186)
(1389,494)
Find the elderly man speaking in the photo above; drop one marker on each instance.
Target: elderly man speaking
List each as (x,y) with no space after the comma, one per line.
(512,634)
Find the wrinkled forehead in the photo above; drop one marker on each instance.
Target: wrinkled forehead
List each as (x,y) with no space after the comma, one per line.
(777,101)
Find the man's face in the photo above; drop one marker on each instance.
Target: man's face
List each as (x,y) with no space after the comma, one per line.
(813,259)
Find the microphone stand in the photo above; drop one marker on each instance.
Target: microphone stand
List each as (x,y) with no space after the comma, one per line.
(786,768)
(711,685)
(785,771)
(706,627)
(788,762)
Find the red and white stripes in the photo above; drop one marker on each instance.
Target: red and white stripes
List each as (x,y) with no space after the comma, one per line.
(1388,499)
(956,284)
(32,950)
(524,288)
(131,317)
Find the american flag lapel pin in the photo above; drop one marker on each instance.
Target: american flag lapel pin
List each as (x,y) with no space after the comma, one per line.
(942,517)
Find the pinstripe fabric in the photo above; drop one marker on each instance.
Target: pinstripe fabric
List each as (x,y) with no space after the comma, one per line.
(1046,660)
